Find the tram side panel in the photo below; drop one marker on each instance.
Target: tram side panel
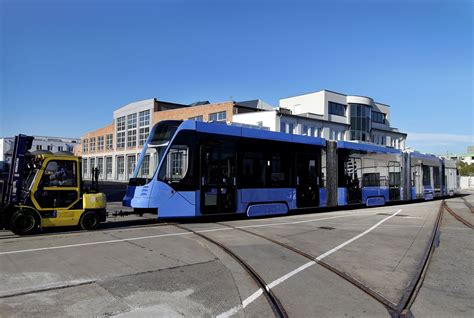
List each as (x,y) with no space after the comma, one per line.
(450,177)
(426,176)
(368,175)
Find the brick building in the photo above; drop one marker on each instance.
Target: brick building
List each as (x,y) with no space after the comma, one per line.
(114,149)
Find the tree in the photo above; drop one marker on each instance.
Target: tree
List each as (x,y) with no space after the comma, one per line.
(465,169)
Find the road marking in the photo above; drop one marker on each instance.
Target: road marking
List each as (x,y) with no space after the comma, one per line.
(320,257)
(280,280)
(252,298)
(177,234)
(93,243)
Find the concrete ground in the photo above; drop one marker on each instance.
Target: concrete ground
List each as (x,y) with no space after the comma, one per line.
(145,268)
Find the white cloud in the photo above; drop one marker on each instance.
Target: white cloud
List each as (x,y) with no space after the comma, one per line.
(439,143)
(440,138)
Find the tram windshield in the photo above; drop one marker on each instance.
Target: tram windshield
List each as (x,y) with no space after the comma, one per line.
(159,138)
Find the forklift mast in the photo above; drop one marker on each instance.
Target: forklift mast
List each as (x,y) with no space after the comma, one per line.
(12,187)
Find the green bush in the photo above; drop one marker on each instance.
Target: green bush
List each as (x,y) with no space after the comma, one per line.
(465,169)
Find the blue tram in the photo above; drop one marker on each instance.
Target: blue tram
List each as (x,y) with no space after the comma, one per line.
(212,168)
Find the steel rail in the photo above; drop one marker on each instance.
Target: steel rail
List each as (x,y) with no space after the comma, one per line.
(272,299)
(357,283)
(412,291)
(469,205)
(458,217)
(395,310)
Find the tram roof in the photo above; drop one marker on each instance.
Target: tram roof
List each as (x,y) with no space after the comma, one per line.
(367,147)
(423,156)
(238,131)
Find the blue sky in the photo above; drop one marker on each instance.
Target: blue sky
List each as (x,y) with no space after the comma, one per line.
(66,65)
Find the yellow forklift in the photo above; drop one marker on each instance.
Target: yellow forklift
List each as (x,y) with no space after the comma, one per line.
(46,190)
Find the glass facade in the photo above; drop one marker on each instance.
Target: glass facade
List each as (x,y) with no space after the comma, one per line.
(378,117)
(120,132)
(337,109)
(109,142)
(197,118)
(220,116)
(100,143)
(360,122)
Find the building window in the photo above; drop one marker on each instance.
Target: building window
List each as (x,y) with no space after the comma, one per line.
(120,132)
(220,116)
(337,109)
(60,148)
(144,118)
(291,128)
(49,148)
(92,166)
(131,121)
(85,145)
(143,135)
(305,130)
(121,123)
(92,144)
(100,143)
(109,142)
(84,167)
(282,127)
(120,165)
(132,138)
(196,118)
(100,165)
(360,122)
(131,160)
(108,166)
(121,139)
(131,130)
(378,117)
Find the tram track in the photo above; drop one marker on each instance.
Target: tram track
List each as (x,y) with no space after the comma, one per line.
(272,299)
(469,205)
(402,309)
(458,217)
(357,283)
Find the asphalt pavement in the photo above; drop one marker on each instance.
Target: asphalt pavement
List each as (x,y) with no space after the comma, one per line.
(149,268)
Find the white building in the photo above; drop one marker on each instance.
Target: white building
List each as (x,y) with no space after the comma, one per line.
(330,115)
(53,144)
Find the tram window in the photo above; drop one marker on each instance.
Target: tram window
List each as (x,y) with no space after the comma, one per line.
(279,176)
(371,180)
(436,177)
(253,170)
(394,179)
(176,164)
(426,176)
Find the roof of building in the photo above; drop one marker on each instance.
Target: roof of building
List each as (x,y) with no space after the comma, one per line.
(334,92)
(255,103)
(198,103)
(313,117)
(391,130)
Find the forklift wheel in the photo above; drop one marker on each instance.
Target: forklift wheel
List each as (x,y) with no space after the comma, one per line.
(89,220)
(24,222)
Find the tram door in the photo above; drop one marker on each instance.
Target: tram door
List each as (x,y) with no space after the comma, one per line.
(218,180)
(417,180)
(307,180)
